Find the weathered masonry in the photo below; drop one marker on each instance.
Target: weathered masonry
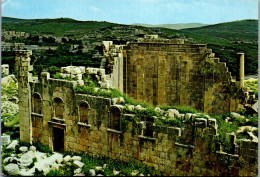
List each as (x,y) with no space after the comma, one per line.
(170,72)
(52,113)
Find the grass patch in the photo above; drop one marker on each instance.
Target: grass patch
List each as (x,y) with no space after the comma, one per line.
(13,119)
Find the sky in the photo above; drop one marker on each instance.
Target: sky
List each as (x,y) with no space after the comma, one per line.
(135,11)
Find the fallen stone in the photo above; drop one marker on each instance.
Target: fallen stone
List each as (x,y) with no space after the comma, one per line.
(78,163)
(13,144)
(114,101)
(76,158)
(23,149)
(131,107)
(59,159)
(32,148)
(92,172)
(77,171)
(25,161)
(157,109)
(134,173)
(66,159)
(5,139)
(236,115)
(98,168)
(104,166)
(173,113)
(115,172)
(79,174)
(12,169)
(121,100)
(139,107)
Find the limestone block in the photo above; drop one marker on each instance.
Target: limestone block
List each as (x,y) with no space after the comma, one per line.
(76,76)
(66,159)
(83,69)
(23,149)
(212,123)
(236,115)
(25,160)
(98,168)
(76,70)
(201,122)
(188,115)
(157,109)
(103,78)
(172,113)
(12,145)
(92,172)
(131,107)
(30,68)
(5,140)
(74,158)
(140,108)
(101,72)
(115,172)
(77,171)
(45,75)
(64,75)
(12,169)
(115,100)
(78,163)
(121,100)
(32,148)
(80,82)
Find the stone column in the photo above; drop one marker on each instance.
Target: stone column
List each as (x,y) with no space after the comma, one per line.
(241,67)
(22,61)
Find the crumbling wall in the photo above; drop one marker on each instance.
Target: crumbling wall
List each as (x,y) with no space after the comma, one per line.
(173,73)
(188,150)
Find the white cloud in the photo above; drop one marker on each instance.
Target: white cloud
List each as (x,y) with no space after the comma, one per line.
(95,9)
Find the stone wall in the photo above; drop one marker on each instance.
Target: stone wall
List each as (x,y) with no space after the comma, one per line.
(58,123)
(173,73)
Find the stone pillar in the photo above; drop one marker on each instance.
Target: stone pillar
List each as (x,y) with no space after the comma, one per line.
(241,68)
(22,61)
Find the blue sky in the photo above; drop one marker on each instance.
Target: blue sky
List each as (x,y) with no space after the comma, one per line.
(135,11)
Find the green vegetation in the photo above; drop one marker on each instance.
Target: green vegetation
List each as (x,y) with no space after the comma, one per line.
(12,119)
(253,85)
(226,39)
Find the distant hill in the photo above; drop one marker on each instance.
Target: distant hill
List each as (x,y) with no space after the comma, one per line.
(173,26)
(56,27)
(245,30)
(10,19)
(226,39)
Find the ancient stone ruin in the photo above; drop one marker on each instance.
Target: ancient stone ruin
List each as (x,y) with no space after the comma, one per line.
(157,71)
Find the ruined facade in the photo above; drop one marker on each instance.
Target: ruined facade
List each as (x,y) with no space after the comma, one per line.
(170,72)
(52,113)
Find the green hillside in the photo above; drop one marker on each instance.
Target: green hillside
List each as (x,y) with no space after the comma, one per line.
(226,39)
(10,19)
(58,27)
(245,30)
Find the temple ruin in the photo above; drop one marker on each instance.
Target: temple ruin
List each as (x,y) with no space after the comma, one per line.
(154,70)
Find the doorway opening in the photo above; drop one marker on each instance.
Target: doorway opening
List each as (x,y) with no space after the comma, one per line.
(58,139)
